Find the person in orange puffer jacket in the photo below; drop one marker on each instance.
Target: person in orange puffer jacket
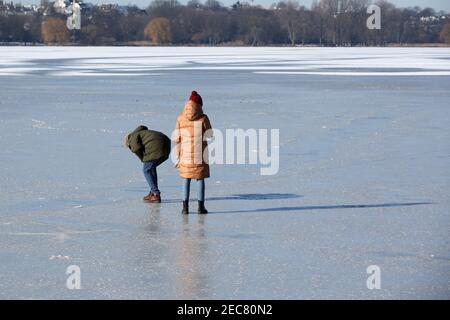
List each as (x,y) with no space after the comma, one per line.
(192,129)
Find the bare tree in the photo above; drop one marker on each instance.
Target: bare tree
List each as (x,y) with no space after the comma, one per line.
(158,31)
(290,19)
(445,33)
(54,31)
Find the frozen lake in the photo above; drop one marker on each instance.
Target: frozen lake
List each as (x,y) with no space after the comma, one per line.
(364,174)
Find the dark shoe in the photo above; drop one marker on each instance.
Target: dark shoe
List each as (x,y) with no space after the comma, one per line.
(185,207)
(153,198)
(201,207)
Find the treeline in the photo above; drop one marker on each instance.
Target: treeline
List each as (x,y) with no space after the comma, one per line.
(167,22)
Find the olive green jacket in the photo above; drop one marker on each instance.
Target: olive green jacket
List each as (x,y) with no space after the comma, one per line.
(149,145)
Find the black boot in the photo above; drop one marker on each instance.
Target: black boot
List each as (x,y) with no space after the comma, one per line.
(201,207)
(185,207)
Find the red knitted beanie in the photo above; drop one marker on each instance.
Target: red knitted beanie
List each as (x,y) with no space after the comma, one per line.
(196,98)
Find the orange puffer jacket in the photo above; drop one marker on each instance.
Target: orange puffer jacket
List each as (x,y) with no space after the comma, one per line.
(192,129)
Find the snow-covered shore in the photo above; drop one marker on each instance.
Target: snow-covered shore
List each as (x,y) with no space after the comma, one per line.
(138,61)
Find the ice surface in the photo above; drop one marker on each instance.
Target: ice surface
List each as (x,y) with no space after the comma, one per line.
(364,174)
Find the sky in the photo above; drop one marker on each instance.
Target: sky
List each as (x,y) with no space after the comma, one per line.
(435,4)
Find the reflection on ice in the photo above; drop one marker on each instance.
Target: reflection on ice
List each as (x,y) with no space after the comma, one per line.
(192,261)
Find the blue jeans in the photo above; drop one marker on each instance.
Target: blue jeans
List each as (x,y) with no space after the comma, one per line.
(151,176)
(187,188)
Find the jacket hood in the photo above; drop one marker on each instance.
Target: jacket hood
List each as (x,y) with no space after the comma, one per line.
(140,128)
(192,110)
